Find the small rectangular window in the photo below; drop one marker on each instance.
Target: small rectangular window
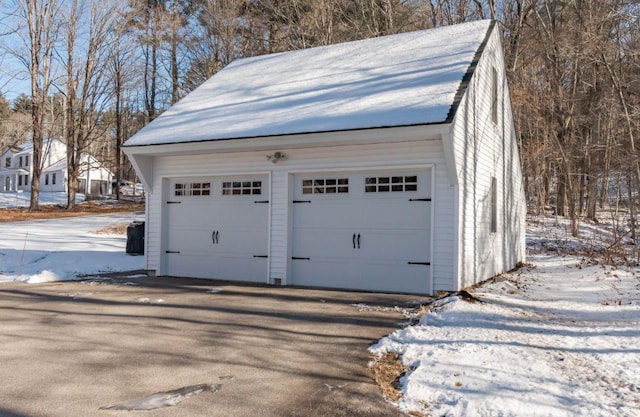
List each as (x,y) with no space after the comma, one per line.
(391,184)
(26,180)
(194,189)
(7,162)
(494,95)
(242,188)
(19,180)
(325,186)
(26,160)
(494,205)
(53,178)
(20,162)
(46,179)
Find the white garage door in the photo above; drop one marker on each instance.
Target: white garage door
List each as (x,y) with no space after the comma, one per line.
(369,231)
(217,228)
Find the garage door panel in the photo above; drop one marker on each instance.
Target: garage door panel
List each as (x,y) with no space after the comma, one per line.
(193,264)
(325,272)
(239,214)
(403,214)
(388,213)
(240,268)
(394,276)
(245,241)
(328,243)
(190,240)
(323,213)
(215,228)
(399,244)
(181,215)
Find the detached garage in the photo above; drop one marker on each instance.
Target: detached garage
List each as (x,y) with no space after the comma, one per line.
(388,164)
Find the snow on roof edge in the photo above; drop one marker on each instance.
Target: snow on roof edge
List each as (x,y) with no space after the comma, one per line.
(285,134)
(466,79)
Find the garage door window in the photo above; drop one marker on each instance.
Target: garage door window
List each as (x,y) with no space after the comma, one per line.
(325,186)
(391,184)
(242,188)
(194,189)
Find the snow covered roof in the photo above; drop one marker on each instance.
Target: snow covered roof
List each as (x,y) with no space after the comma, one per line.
(60,165)
(27,147)
(397,80)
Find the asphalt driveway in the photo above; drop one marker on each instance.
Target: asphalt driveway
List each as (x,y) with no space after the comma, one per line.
(68,349)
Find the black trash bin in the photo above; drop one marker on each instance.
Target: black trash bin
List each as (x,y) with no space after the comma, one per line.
(135,238)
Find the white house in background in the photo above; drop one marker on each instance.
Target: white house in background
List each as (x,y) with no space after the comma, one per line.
(16,170)
(388,164)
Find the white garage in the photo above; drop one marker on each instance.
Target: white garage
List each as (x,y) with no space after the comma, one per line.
(388,164)
(217,227)
(362,230)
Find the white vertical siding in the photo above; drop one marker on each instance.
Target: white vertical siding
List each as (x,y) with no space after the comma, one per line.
(350,157)
(153,232)
(279,231)
(484,149)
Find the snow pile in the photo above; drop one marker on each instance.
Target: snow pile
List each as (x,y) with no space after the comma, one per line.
(23,199)
(164,399)
(63,249)
(552,233)
(558,338)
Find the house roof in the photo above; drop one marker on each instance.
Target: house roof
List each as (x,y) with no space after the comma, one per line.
(407,79)
(27,147)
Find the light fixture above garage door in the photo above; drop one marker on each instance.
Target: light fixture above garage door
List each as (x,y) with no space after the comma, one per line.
(277,156)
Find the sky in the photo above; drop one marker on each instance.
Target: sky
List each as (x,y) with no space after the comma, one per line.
(14,78)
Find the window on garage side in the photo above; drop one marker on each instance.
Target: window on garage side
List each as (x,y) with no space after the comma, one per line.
(325,186)
(392,183)
(494,95)
(494,205)
(242,188)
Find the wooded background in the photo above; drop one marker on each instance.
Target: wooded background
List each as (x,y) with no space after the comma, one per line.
(100,70)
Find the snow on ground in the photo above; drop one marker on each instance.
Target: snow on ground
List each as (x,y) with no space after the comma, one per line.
(560,337)
(22,199)
(64,249)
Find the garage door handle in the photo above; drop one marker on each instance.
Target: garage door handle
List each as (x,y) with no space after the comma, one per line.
(419,199)
(353,239)
(214,237)
(419,263)
(358,240)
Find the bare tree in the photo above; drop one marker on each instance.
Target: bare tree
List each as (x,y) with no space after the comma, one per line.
(39,24)
(86,85)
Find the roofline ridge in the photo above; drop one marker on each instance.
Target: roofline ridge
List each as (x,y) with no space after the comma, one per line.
(466,79)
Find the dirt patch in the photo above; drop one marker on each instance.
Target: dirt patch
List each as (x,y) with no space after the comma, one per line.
(83,209)
(387,371)
(466,296)
(118,229)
